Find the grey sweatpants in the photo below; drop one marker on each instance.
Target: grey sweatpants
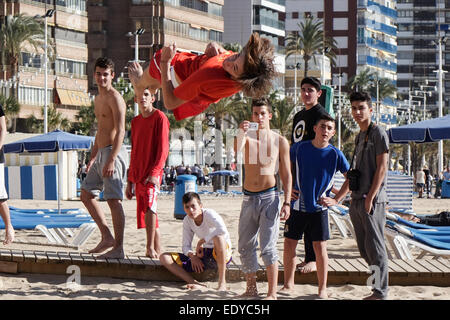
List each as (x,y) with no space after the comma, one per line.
(259,214)
(369,231)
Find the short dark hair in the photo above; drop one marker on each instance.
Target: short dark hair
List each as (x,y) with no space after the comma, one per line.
(187,197)
(104,63)
(312,81)
(262,102)
(325,116)
(361,96)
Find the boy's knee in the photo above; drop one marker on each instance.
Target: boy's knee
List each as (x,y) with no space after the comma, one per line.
(86,196)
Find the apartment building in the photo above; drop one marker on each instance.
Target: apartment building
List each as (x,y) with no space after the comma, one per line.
(242,17)
(191,24)
(420,24)
(365,32)
(67,79)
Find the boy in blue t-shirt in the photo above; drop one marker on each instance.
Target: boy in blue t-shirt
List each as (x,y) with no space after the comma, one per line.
(315,163)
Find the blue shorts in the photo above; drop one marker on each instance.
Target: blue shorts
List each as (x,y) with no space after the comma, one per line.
(313,224)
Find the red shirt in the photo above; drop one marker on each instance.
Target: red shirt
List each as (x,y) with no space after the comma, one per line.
(149,146)
(203,81)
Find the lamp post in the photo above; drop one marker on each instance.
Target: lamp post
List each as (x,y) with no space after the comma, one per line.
(136,35)
(425,93)
(339,75)
(322,73)
(440,92)
(48,14)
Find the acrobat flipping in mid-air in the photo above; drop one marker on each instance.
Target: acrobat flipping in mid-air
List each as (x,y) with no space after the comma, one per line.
(190,82)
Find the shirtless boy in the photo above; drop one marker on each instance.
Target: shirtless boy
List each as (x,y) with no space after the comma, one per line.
(264,150)
(190,83)
(108,164)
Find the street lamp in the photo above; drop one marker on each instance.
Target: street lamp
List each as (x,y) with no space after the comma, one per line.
(48,14)
(425,94)
(440,92)
(339,75)
(325,50)
(136,35)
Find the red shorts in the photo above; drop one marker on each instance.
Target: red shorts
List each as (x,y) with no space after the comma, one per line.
(146,197)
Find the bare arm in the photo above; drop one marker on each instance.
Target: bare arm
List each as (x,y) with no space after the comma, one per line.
(170,100)
(2,130)
(241,138)
(118,108)
(286,177)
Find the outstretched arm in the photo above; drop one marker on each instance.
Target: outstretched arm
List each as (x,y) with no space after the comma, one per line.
(286,177)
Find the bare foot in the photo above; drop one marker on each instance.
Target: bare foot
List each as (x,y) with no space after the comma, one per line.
(195,286)
(9,235)
(222,287)
(250,293)
(115,253)
(308,267)
(102,246)
(151,253)
(286,290)
(323,294)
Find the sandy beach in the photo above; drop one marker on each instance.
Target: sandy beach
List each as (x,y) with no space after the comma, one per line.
(43,287)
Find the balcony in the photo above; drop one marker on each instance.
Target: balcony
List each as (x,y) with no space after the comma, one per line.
(266,21)
(98,13)
(381,45)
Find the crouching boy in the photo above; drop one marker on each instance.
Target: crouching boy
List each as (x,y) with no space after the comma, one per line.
(213,250)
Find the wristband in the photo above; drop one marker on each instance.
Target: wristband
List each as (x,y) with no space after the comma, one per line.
(286,204)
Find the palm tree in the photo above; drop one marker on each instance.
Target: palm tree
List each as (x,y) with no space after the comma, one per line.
(309,41)
(17,32)
(235,47)
(11,107)
(367,80)
(56,120)
(86,120)
(361,81)
(282,114)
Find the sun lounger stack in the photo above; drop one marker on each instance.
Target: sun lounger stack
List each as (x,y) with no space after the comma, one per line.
(341,219)
(403,235)
(72,227)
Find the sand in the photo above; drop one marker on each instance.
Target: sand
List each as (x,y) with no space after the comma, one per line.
(43,287)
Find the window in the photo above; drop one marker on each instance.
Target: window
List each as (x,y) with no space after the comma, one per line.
(295,15)
(69,66)
(70,35)
(34,95)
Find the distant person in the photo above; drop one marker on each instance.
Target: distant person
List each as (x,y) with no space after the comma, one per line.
(427,180)
(446,174)
(261,211)
(190,82)
(109,160)
(420,181)
(149,151)
(213,249)
(4,208)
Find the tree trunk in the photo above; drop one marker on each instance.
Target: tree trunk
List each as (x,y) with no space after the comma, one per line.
(217,180)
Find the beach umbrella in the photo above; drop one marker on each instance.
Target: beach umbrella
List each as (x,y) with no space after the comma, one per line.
(55,141)
(431,130)
(224,173)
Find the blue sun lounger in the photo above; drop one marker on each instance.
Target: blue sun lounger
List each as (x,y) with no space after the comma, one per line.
(57,228)
(75,210)
(430,240)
